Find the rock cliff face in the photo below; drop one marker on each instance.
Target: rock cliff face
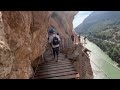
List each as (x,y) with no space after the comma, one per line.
(62,21)
(23,38)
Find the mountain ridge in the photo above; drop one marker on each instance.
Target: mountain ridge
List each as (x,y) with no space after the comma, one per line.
(98,17)
(103,29)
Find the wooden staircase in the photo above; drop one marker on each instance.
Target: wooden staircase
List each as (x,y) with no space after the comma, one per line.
(63,69)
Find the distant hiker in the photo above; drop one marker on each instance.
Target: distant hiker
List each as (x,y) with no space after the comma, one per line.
(72,37)
(79,38)
(54,40)
(85,39)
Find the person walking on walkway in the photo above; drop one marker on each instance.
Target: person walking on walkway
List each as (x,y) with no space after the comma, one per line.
(72,37)
(54,40)
(79,38)
(85,39)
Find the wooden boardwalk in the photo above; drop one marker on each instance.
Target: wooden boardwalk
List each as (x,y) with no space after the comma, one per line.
(63,69)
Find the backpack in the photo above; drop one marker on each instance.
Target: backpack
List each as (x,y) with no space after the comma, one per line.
(55,41)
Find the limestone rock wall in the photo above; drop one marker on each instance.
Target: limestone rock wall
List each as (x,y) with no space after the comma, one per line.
(23,38)
(62,21)
(25,34)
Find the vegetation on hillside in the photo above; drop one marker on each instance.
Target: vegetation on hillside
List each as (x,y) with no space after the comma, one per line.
(113,50)
(103,28)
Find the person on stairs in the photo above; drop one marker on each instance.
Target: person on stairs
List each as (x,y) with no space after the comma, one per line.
(54,40)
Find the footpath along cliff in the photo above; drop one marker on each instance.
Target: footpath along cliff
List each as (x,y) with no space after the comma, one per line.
(23,39)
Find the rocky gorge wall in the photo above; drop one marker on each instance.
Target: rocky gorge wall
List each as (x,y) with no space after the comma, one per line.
(62,21)
(23,38)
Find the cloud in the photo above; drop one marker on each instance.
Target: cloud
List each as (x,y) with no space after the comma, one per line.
(78,19)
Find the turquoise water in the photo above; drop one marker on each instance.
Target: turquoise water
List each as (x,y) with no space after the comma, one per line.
(102,65)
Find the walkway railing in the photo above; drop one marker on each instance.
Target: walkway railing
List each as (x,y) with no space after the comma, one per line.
(82,66)
(42,57)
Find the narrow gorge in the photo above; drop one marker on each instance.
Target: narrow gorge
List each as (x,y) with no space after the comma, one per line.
(24,39)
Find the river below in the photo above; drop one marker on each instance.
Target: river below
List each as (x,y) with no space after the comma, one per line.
(102,65)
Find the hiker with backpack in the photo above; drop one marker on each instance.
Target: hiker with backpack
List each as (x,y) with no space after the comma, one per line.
(54,40)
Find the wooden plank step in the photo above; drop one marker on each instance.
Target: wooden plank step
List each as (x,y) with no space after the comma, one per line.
(55,63)
(58,59)
(64,64)
(56,75)
(52,69)
(54,72)
(52,63)
(73,76)
(63,69)
(58,70)
(64,60)
(57,66)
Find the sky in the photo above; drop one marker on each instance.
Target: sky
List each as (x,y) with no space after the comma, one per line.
(78,19)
